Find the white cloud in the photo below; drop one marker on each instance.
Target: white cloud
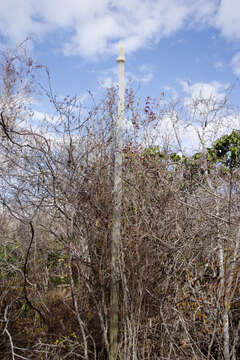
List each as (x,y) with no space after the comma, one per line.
(189,133)
(204,91)
(146,78)
(109,77)
(164,133)
(189,139)
(205,117)
(145,74)
(222,126)
(96,27)
(42,117)
(17,22)
(107,82)
(219,65)
(170,92)
(227,19)
(236,64)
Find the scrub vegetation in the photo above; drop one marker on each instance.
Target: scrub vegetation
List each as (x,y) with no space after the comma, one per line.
(179,260)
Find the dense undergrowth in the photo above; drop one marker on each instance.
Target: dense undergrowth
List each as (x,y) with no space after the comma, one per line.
(180,231)
(171,304)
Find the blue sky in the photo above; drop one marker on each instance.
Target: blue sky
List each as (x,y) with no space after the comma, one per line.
(177,46)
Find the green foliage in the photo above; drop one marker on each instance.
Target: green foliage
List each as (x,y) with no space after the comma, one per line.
(175,157)
(153,153)
(197,156)
(8,257)
(53,258)
(226,150)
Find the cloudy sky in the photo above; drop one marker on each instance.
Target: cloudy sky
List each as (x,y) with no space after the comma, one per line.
(182,46)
